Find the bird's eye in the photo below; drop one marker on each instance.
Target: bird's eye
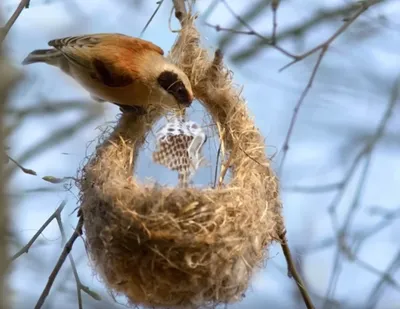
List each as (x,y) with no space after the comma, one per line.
(181,90)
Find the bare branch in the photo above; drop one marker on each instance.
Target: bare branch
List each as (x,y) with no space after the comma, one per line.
(252,12)
(323,47)
(24,4)
(365,153)
(292,271)
(26,248)
(297,109)
(274,6)
(23,169)
(55,137)
(45,107)
(315,189)
(377,290)
(180,10)
(384,276)
(297,30)
(67,249)
(364,5)
(79,285)
(159,3)
(251,32)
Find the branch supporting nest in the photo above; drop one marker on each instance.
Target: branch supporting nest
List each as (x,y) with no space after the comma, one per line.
(293,273)
(180,10)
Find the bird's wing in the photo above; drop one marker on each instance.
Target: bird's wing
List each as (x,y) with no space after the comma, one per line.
(97,54)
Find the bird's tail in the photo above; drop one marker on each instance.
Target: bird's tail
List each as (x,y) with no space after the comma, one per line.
(50,56)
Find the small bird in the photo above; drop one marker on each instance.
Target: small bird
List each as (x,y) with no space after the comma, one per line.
(129,72)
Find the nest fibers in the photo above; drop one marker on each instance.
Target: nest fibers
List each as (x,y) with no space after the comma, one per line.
(183,247)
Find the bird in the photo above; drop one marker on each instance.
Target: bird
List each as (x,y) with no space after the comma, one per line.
(127,71)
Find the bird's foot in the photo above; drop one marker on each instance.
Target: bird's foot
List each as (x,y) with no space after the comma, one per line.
(138,110)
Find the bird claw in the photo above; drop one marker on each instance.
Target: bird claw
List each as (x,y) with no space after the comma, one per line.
(138,110)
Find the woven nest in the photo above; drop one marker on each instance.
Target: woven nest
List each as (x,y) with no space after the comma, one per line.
(182,247)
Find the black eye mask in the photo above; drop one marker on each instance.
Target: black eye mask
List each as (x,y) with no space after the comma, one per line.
(173,85)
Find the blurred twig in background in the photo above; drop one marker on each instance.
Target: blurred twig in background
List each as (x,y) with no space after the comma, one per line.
(320,17)
(8,78)
(364,156)
(55,136)
(272,41)
(4,30)
(66,251)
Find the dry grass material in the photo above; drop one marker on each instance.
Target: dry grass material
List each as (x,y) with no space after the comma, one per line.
(175,247)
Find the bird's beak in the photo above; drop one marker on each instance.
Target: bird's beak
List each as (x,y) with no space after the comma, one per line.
(190,101)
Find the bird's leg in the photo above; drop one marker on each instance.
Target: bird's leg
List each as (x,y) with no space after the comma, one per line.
(131,109)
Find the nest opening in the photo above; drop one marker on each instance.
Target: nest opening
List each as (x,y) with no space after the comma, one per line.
(182,247)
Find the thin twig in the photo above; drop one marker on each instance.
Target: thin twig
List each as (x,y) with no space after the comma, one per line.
(384,223)
(251,13)
(297,109)
(224,169)
(253,32)
(323,47)
(369,147)
(315,189)
(218,28)
(294,273)
(24,4)
(23,169)
(378,289)
(26,248)
(384,276)
(366,153)
(342,245)
(55,137)
(67,249)
(159,3)
(251,158)
(52,107)
(216,166)
(79,285)
(274,6)
(320,17)
(364,5)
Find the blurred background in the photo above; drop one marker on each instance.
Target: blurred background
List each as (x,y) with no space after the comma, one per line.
(340,179)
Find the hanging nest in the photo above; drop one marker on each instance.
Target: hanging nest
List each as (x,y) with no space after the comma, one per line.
(183,247)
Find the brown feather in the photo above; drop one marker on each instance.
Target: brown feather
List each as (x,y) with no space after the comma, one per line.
(118,68)
(109,76)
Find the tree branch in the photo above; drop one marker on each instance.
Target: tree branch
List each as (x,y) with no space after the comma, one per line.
(323,47)
(297,30)
(292,272)
(67,249)
(180,10)
(79,285)
(26,248)
(24,4)
(365,153)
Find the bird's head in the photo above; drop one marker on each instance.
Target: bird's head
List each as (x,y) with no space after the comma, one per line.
(176,85)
